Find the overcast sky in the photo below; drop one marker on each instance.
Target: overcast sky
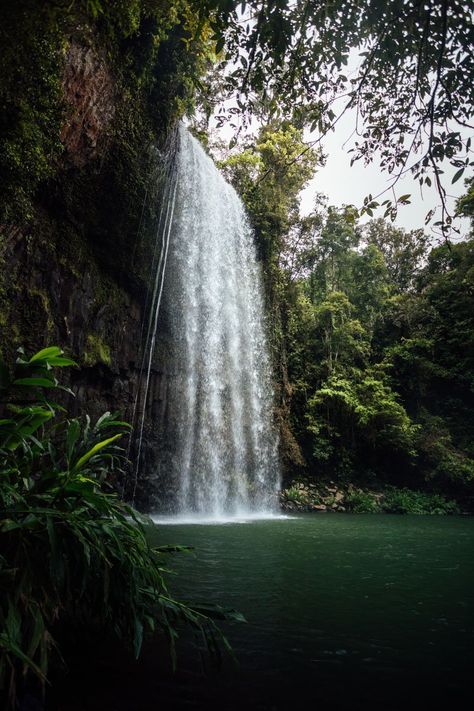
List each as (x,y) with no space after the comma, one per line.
(344,184)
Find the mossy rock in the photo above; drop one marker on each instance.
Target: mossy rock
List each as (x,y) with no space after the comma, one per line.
(96,351)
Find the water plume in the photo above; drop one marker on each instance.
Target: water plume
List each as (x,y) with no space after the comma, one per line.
(222,450)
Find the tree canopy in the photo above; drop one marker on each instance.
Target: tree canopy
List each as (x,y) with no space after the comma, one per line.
(373,326)
(405,66)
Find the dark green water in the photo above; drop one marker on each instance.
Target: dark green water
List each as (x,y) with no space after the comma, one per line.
(343,611)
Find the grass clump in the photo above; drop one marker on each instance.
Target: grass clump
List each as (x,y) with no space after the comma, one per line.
(293,493)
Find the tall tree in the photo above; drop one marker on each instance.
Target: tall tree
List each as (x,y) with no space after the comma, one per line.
(403,252)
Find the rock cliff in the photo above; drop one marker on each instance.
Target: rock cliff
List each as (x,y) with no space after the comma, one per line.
(85,136)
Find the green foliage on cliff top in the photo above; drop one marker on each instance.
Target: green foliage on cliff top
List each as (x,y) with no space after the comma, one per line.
(269,174)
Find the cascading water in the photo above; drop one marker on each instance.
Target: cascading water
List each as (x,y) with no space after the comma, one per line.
(222,452)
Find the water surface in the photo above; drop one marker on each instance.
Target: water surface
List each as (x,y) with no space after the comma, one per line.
(344,611)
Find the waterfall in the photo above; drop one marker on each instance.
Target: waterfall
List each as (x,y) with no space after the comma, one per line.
(221,450)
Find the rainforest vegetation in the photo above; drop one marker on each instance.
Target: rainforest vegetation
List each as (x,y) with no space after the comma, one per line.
(371,326)
(375,325)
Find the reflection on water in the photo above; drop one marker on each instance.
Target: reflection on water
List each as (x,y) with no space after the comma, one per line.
(346,611)
(187,520)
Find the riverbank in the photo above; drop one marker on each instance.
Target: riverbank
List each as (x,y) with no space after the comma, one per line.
(306,496)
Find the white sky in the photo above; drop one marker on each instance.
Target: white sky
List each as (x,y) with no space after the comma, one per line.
(344,184)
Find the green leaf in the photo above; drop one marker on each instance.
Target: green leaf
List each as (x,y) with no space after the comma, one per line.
(95,449)
(46,353)
(216,612)
(56,562)
(457,175)
(13,623)
(119,423)
(36,634)
(104,418)
(173,549)
(73,432)
(36,382)
(37,419)
(61,362)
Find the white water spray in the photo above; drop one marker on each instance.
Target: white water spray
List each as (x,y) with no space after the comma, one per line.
(219,399)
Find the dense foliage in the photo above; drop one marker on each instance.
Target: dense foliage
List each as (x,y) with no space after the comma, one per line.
(406,66)
(73,557)
(376,329)
(381,356)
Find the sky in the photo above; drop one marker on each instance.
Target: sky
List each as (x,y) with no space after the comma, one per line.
(344,184)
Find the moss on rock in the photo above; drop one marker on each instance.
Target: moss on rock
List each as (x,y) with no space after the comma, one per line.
(91,93)
(96,351)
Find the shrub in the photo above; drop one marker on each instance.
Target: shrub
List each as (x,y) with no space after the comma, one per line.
(71,551)
(297,495)
(358,501)
(406,501)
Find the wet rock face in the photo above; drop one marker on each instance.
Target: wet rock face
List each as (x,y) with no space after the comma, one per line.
(76,248)
(89,96)
(98,323)
(75,306)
